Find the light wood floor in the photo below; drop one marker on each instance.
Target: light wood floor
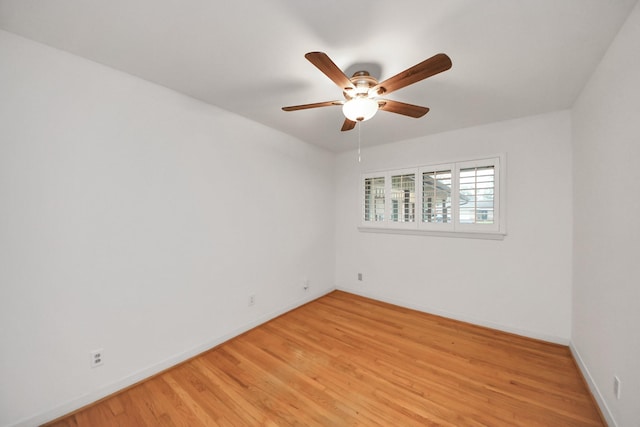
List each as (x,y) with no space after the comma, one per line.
(347,360)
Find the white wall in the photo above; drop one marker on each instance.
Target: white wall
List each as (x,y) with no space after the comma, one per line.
(520,284)
(606,298)
(138,220)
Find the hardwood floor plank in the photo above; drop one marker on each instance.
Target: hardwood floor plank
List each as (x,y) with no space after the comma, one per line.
(348,360)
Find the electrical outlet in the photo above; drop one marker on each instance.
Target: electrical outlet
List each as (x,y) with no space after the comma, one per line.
(617,387)
(360,277)
(252,299)
(96,358)
(306,284)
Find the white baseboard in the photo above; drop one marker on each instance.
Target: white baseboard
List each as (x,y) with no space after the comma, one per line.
(462,318)
(136,377)
(595,391)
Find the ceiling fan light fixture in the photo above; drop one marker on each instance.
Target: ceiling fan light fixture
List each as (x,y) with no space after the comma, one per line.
(360,109)
(361,92)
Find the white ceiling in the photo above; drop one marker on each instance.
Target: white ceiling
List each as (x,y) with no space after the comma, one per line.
(511,58)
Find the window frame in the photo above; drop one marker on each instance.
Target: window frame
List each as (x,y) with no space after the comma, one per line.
(495,230)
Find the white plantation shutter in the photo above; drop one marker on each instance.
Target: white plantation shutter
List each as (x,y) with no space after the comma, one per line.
(374,199)
(403,197)
(477,189)
(436,196)
(477,203)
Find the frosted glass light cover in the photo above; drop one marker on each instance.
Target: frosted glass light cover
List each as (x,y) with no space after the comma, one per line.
(360,109)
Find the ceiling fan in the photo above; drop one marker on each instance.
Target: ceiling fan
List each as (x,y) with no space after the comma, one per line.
(361,92)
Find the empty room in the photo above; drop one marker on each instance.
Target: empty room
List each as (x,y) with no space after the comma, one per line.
(319,213)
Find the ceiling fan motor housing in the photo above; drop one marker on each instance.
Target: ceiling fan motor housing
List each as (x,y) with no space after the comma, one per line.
(362,81)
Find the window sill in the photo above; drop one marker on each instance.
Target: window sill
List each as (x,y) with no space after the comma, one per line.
(494,235)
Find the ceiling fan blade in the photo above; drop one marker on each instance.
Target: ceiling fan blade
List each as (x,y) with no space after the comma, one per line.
(427,68)
(348,125)
(314,105)
(398,107)
(330,69)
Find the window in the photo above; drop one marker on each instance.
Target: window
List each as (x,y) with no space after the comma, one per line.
(455,198)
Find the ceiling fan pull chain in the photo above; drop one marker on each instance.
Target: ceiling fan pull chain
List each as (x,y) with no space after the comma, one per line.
(359,137)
